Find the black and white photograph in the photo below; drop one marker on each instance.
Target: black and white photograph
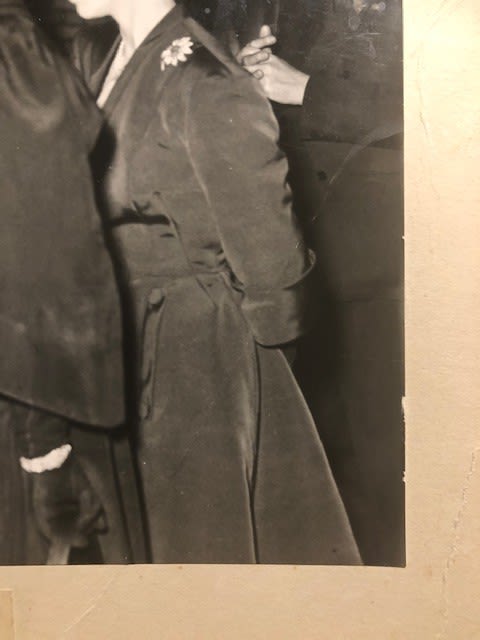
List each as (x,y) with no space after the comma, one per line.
(202,282)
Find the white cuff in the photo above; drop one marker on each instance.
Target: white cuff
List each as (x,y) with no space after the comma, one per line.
(52,460)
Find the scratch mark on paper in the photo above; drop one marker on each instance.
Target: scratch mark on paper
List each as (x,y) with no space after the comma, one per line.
(444,10)
(421,98)
(96,599)
(454,547)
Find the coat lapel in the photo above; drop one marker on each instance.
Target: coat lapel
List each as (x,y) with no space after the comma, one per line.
(96,80)
(162,35)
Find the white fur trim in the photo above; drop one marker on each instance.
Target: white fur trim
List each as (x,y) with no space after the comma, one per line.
(52,460)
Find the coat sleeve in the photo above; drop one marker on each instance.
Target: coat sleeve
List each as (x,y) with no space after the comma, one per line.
(40,87)
(231,136)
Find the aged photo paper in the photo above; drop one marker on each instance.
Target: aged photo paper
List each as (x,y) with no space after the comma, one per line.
(437,594)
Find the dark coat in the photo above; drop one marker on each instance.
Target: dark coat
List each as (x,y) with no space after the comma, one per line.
(60,324)
(214,275)
(344,144)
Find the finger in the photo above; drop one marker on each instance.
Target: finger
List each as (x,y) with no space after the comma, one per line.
(265,31)
(245,53)
(257,58)
(247,50)
(256,72)
(261,43)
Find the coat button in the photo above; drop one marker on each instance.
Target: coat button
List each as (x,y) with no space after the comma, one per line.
(155,297)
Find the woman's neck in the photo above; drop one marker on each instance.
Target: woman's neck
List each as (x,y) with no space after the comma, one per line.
(136,20)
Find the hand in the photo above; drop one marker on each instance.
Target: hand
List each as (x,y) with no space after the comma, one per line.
(257,51)
(280,81)
(66,508)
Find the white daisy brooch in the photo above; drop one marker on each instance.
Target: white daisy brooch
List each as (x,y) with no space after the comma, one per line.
(176,52)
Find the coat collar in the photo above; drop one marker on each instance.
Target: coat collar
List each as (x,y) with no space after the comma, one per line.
(97,77)
(169,22)
(165,30)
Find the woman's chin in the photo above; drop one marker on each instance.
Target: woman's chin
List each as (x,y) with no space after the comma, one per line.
(89,9)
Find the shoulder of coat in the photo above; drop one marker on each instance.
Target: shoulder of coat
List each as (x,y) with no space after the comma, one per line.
(210,54)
